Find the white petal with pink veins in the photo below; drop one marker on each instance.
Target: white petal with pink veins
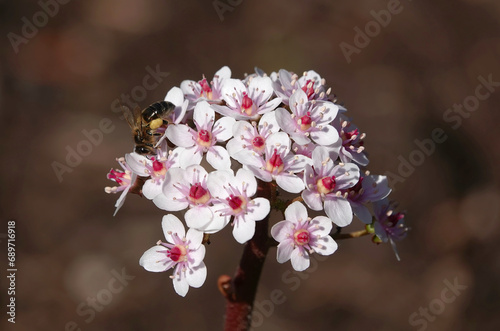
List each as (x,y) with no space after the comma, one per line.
(223,73)
(284,251)
(180,135)
(296,212)
(163,202)
(248,157)
(299,262)
(269,121)
(243,231)
(285,121)
(349,178)
(262,86)
(151,189)
(217,181)
(290,183)
(198,217)
(281,230)
(152,259)
(218,158)
(280,141)
(312,199)
(203,114)
(326,136)
(190,156)
(232,87)
(181,285)
(224,128)
(323,226)
(269,106)
(246,177)
(298,97)
(195,237)
(135,162)
(338,210)
(260,208)
(172,225)
(325,245)
(175,96)
(197,275)
(259,173)
(297,163)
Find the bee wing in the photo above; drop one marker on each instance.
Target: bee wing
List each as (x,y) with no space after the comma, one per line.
(133,118)
(168,112)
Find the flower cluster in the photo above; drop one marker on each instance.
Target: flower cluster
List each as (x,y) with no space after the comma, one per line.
(231,139)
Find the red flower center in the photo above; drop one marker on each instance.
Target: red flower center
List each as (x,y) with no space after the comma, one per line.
(198,194)
(305,121)
(326,184)
(308,88)
(237,203)
(258,143)
(177,253)
(206,91)
(246,104)
(301,237)
(275,163)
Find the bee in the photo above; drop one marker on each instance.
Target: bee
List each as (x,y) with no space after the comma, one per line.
(145,125)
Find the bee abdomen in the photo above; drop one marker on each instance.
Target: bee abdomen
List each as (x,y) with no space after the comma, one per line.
(157,110)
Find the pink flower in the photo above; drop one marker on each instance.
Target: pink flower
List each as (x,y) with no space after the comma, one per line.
(185,188)
(156,168)
(233,195)
(204,90)
(389,226)
(299,235)
(252,136)
(125,179)
(183,252)
(308,120)
(277,163)
(244,103)
(325,182)
(352,147)
(195,143)
(286,83)
(369,188)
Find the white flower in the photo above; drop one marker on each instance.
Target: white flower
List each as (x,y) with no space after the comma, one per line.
(156,168)
(194,143)
(185,188)
(252,136)
(277,163)
(351,144)
(202,90)
(285,84)
(233,194)
(299,235)
(125,180)
(308,120)
(183,252)
(247,103)
(325,182)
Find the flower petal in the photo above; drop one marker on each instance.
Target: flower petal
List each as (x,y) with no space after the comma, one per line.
(260,208)
(181,285)
(198,217)
(322,226)
(312,199)
(225,124)
(325,246)
(152,259)
(296,212)
(180,135)
(171,225)
(281,230)
(203,114)
(218,157)
(300,260)
(328,135)
(247,180)
(290,183)
(196,276)
(284,251)
(338,210)
(243,231)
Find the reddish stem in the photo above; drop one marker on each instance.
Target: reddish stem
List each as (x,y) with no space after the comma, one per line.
(240,291)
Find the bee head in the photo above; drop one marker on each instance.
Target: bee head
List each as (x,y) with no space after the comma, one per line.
(143,150)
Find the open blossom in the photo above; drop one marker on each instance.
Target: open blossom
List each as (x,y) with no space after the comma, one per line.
(286,83)
(352,147)
(233,195)
(299,235)
(185,188)
(325,182)
(182,252)
(244,103)
(195,143)
(389,226)
(125,179)
(204,90)
(308,120)
(156,168)
(277,163)
(369,188)
(251,136)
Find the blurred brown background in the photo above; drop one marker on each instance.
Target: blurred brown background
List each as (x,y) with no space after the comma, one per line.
(64,78)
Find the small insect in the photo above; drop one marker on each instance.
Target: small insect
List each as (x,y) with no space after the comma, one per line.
(147,123)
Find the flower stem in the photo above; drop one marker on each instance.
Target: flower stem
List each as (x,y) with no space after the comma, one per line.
(240,291)
(355,234)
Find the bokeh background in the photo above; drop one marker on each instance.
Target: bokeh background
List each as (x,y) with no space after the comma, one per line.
(65,77)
